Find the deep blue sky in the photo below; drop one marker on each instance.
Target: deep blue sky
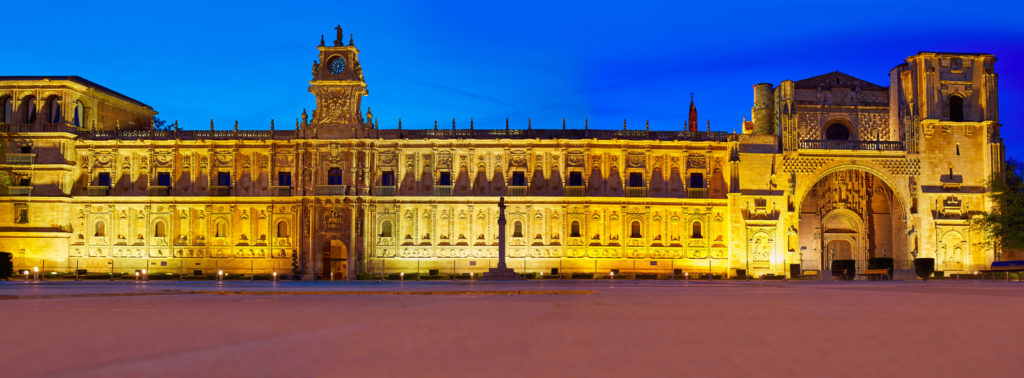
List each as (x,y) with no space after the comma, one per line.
(425,60)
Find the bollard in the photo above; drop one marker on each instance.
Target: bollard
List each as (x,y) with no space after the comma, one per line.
(35,273)
(401,276)
(136,276)
(275,276)
(26,275)
(145,277)
(220,276)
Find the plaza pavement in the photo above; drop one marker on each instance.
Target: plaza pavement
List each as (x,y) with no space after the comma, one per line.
(549,328)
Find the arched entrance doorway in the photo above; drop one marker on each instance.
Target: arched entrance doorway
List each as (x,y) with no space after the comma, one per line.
(334,256)
(851,214)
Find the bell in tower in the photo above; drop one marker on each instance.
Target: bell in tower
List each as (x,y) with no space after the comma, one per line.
(339,88)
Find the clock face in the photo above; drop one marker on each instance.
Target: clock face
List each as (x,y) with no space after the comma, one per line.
(336,65)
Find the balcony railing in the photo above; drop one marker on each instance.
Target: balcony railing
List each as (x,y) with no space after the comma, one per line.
(331,190)
(19,158)
(697,192)
(575,191)
(220,191)
(636,191)
(159,190)
(19,190)
(384,190)
(442,190)
(281,191)
(856,145)
(517,190)
(98,190)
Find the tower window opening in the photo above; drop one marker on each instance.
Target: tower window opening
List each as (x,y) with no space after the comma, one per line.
(956,108)
(6,109)
(79,117)
(28,110)
(54,106)
(837,131)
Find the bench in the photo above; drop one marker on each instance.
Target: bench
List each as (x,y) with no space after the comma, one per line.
(1015,266)
(877,273)
(838,272)
(808,274)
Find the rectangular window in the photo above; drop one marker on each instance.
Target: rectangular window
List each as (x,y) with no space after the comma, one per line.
(223,179)
(575,178)
(25,181)
(518,178)
(636,179)
(284,179)
(22,216)
(387,178)
(444,178)
(696,180)
(26,149)
(103,179)
(163,179)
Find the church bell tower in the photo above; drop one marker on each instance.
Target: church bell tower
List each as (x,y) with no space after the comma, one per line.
(339,88)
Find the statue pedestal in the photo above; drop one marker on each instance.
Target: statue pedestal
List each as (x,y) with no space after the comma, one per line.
(500,274)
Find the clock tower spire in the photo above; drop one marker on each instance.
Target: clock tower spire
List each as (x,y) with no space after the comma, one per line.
(339,88)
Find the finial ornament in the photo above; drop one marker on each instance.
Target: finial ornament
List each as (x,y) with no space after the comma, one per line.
(211,124)
(369,115)
(236,125)
(271,124)
(435,123)
(175,125)
(506,123)
(470,123)
(399,124)
(648,125)
(586,124)
(351,40)
(563,123)
(321,40)
(305,117)
(453,123)
(623,124)
(529,123)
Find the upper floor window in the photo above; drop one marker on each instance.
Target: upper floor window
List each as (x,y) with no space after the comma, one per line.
(53,104)
(25,181)
(518,178)
(634,229)
(163,179)
(956,108)
(696,234)
(837,131)
(223,179)
(387,178)
(26,149)
(696,180)
(79,116)
(284,179)
(28,110)
(575,178)
(636,179)
(6,109)
(334,176)
(444,178)
(22,216)
(574,229)
(517,229)
(103,179)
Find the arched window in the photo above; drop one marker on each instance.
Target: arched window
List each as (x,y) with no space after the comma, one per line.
(220,230)
(334,176)
(160,230)
(28,110)
(697,231)
(634,229)
(837,131)
(53,105)
(385,229)
(282,229)
(79,119)
(574,231)
(517,229)
(956,108)
(6,109)
(100,229)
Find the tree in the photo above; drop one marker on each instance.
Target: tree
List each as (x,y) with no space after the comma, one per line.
(1004,225)
(159,124)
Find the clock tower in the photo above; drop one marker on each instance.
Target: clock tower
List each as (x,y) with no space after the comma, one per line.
(339,88)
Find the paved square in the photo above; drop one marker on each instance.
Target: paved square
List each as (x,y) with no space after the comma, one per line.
(568,328)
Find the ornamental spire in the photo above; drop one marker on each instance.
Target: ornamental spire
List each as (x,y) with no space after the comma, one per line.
(693,114)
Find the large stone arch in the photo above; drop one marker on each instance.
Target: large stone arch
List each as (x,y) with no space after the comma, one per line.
(810,180)
(333,254)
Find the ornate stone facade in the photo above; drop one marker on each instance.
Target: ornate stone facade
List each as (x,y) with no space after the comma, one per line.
(829,167)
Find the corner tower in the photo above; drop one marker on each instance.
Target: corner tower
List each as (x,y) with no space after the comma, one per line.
(339,88)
